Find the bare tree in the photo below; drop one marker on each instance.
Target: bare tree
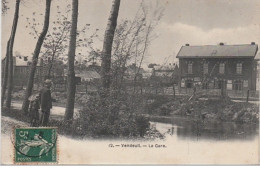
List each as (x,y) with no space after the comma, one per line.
(107,46)
(56,42)
(5,76)
(4,7)
(71,85)
(37,50)
(131,43)
(10,55)
(151,18)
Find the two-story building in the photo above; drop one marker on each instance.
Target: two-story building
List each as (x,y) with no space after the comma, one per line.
(229,67)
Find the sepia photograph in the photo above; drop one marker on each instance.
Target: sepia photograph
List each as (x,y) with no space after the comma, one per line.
(130,82)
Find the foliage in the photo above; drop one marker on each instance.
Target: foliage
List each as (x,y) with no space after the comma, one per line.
(55,46)
(116,119)
(5,7)
(132,40)
(120,114)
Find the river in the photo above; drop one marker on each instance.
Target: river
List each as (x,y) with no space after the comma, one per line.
(186,129)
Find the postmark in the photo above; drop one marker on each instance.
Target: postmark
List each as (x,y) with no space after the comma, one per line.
(35,145)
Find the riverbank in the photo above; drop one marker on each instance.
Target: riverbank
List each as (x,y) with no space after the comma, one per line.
(210,109)
(178,150)
(71,128)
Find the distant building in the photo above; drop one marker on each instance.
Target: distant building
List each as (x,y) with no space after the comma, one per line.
(87,75)
(167,74)
(132,72)
(258,72)
(231,67)
(165,70)
(21,67)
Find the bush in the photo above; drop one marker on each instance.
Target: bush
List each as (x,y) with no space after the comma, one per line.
(111,117)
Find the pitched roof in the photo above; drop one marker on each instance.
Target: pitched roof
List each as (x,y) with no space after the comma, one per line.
(218,51)
(21,61)
(169,67)
(24,61)
(87,75)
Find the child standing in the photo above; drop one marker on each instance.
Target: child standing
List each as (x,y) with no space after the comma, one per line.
(34,110)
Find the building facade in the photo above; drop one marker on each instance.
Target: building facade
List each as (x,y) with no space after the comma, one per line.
(229,67)
(21,71)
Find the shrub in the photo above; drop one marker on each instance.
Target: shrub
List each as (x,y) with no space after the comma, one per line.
(111,117)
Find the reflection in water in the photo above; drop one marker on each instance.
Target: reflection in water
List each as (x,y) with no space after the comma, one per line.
(204,130)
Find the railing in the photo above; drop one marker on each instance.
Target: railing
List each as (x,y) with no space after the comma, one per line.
(217,92)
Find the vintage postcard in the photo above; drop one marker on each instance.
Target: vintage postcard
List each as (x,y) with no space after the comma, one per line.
(130,82)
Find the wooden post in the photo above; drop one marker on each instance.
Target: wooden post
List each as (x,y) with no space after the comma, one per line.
(247,96)
(173,91)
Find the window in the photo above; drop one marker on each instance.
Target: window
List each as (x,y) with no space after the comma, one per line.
(237,85)
(221,68)
(239,68)
(229,84)
(189,68)
(205,68)
(182,83)
(245,84)
(189,83)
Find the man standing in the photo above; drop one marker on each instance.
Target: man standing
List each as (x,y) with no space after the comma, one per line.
(46,103)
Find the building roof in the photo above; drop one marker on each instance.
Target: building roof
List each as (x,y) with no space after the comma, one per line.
(24,61)
(87,75)
(218,51)
(257,57)
(168,67)
(21,61)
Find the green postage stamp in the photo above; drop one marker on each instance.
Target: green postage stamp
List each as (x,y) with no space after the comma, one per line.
(37,145)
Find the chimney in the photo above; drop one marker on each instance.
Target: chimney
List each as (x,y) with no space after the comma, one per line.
(221,43)
(252,43)
(187,44)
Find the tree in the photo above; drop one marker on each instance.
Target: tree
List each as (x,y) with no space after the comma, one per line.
(10,55)
(131,42)
(36,53)
(56,42)
(4,7)
(107,46)
(4,84)
(71,86)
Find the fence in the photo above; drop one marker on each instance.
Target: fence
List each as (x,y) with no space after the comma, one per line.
(217,92)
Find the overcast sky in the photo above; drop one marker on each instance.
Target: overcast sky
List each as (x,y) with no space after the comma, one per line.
(197,22)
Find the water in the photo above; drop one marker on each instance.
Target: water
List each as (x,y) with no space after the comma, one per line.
(186,129)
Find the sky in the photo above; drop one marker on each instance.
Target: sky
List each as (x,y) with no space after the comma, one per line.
(197,22)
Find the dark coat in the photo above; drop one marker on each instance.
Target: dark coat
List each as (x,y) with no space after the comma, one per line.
(45,99)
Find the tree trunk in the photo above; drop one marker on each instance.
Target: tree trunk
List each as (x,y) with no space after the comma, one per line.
(107,46)
(50,68)
(37,50)
(5,77)
(10,55)
(71,86)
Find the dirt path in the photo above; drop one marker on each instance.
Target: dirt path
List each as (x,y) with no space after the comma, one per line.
(7,125)
(57,112)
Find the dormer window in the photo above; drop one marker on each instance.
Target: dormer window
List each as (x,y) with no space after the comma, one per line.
(221,68)
(239,68)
